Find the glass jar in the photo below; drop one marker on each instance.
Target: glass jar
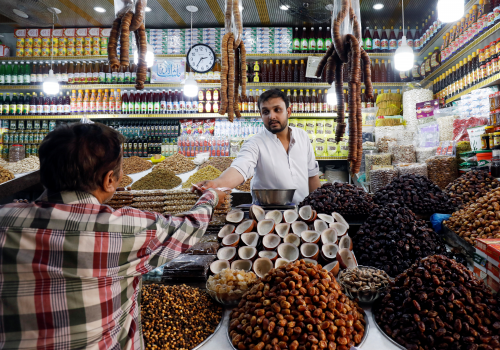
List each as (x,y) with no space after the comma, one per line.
(16,153)
(496,140)
(485,141)
(495,167)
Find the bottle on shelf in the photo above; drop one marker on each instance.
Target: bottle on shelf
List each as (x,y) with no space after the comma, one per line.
(376,41)
(384,41)
(367,41)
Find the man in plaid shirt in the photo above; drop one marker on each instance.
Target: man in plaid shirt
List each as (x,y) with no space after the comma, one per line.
(71,266)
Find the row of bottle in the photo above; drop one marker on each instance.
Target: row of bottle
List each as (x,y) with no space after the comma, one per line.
(479,18)
(30,149)
(311,40)
(470,71)
(145,128)
(24,73)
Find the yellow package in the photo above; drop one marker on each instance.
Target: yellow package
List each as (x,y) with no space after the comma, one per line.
(55,51)
(45,42)
(19,52)
(20,42)
(301,124)
(96,41)
(292,122)
(104,52)
(344,147)
(55,42)
(37,52)
(311,126)
(62,51)
(319,145)
(45,52)
(320,126)
(70,51)
(79,51)
(37,43)
(28,52)
(63,42)
(96,51)
(79,41)
(331,146)
(28,43)
(87,41)
(71,41)
(87,51)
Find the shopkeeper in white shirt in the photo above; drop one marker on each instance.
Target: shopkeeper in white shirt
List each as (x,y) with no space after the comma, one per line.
(279,157)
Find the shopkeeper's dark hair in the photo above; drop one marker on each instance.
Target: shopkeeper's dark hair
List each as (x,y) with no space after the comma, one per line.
(76,157)
(274,93)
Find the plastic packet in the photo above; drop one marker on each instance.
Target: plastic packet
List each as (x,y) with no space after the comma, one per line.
(203,248)
(347,25)
(442,170)
(460,126)
(379,178)
(368,134)
(384,143)
(233,19)
(428,135)
(412,168)
(376,159)
(188,267)
(424,153)
(402,153)
(445,123)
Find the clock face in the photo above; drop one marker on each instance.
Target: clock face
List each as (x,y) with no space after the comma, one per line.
(201,58)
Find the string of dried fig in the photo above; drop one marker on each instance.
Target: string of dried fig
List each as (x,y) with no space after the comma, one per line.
(128,21)
(346,53)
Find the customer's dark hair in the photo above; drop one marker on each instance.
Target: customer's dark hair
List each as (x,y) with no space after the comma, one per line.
(274,93)
(77,157)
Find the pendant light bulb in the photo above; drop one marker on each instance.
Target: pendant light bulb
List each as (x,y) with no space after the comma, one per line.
(404,57)
(50,84)
(190,86)
(150,56)
(450,10)
(331,96)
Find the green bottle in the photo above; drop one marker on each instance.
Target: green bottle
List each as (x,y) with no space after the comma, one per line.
(15,70)
(5,105)
(20,104)
(1,103)
(26,104)
(13,104)
(20,74)
(27,74)
(2,74)
(8,74)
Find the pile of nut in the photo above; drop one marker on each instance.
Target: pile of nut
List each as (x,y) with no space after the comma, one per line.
(229,285)
(157,179)
(31,163)
(207,173)
(342,198)
(219,163)
(5,175)
(439,304)
(392,238)
(177,163)
(442,170)
(177,317)
(126,180)
(133,165)
(363,280)
(296,306)
(245,186)
(417,193)
(480,219)
(470,186)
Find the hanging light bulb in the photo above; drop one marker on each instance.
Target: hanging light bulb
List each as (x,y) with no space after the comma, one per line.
(50,84)
(191,86)
(404,57)
(331,96)
(450,10)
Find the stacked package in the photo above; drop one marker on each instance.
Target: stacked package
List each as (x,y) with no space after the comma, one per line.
(157,38)
(477,103)
(189,268)
(211,37)
(250,39)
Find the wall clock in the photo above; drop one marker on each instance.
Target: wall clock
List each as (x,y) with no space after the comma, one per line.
(201,58)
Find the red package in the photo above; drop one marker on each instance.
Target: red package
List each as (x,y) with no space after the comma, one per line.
(186,126)
(461,125)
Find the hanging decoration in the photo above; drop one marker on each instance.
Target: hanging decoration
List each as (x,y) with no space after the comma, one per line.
(129,19)
(346,52)
(234,71)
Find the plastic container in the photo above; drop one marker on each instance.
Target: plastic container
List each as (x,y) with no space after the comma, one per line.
(16,153)
(484,158)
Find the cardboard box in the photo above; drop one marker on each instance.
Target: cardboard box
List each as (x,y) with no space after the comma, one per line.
(81,32)
(493,282)
(69,32)
(58,33)
(5,51)
(20,33)
(492,266)
(482,243)
(33,33)
(493,251)
(94,32)
(480,271)
(105,32)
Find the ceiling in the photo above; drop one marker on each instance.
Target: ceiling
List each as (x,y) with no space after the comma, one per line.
(173,13)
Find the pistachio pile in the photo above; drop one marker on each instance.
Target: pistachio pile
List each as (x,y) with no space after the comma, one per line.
(480,219)
(133,165)
(157,179)
(177,317)
(207,173)
(361,280)
(5,175)
(439,304)
(470,186)
(177,163)
(219,163)
(126,180)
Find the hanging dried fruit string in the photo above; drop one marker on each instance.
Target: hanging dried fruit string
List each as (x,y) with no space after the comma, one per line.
(346,53)
(234,71)
(129,20)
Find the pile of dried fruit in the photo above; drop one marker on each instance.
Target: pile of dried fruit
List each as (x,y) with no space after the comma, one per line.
(5,175)
(392,238)
(470,186)
(440,304)
(296,306)
(31,163)
(416,192)
(219,163)
(480,219)
(245,186)
(207,173)
(135,165)
(126,180)
(177,163)
(342,198)
(157,179)
(361,281)
(177,317)
(229,284)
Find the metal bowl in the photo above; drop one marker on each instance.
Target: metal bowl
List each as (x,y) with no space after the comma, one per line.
(365,297)
(273,197)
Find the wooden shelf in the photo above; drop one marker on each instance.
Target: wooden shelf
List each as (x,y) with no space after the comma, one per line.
(158,116)
(495,79)
(458,54)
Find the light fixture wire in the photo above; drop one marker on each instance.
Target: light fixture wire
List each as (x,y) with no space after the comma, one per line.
(403,10)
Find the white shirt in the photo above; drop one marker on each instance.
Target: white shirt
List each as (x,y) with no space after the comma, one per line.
(264,157)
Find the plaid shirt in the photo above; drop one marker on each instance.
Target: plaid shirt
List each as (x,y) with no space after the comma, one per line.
(70,269)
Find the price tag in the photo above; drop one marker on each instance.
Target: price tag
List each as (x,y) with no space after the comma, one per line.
(312,65)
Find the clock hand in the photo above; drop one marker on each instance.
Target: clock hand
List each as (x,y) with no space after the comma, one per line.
(200,61)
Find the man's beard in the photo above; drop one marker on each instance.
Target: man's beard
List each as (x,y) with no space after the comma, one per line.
(275,129)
